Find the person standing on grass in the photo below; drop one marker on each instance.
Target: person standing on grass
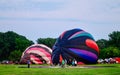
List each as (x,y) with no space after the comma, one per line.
(69,62)
(63,64)
(28,63)
(75,63)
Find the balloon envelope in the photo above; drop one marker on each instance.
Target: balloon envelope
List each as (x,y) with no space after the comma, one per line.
(75,44)
(37,53)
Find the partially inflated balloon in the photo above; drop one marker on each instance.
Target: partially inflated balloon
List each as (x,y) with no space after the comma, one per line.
(75,44)
(37,53)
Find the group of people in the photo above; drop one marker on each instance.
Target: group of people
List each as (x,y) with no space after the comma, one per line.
(69,63)
(62,63)
(107,60)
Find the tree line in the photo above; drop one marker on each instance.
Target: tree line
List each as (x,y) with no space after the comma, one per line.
(12,45)
(111,47)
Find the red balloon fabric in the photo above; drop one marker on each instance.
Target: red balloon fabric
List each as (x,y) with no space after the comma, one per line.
(37,53)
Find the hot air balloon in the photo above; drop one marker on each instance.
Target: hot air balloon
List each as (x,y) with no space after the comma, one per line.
(75,44)
(37,54)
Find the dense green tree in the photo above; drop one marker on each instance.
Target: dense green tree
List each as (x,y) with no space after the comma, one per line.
(109,52)
(46,41)
(114,39)
(102,43)
(10,42)
(22,43)
(111,47)
(15,55)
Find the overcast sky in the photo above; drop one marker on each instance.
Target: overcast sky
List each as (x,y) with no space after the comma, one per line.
(49,18)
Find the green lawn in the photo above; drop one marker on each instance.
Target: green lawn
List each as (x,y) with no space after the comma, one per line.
(108,69)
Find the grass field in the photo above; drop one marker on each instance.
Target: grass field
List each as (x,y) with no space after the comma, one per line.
(102,69)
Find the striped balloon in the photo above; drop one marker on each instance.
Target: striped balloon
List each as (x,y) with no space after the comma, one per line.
(37,53)
(75,44)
